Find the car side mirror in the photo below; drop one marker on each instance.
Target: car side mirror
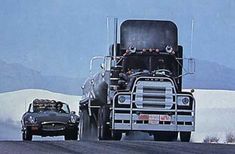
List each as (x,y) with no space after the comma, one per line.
(73,112)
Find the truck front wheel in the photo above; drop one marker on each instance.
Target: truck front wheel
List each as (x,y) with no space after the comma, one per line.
(104,132)
(185,136)
(84,125)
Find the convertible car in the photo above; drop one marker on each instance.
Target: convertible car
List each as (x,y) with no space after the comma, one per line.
(49,118)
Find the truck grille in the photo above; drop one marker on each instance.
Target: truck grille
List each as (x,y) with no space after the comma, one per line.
(154,94)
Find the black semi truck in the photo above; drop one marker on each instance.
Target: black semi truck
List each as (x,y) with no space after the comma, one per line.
(139,87)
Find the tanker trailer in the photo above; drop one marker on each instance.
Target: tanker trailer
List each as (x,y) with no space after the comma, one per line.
(139,86)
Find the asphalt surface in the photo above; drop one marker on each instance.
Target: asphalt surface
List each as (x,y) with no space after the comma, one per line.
(111,147)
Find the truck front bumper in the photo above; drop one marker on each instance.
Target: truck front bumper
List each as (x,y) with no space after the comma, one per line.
(160,121)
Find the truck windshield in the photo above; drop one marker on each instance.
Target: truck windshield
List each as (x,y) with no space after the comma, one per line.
(150,63)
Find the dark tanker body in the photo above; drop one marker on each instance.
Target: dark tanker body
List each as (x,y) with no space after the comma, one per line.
(139,87)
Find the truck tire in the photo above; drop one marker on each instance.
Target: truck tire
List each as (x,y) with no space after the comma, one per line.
(93,129)
(104,132)
(165,136)
(84,125)
(87,127)
(27,135)
(185,136)
(116,135)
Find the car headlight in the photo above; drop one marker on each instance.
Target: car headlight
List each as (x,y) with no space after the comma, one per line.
(73,119)
(124,99)
(183,100)
(31,119)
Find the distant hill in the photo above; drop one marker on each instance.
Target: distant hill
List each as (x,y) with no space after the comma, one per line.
(210,75)
(16,77)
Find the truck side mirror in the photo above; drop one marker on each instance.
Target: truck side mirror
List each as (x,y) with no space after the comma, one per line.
(92,60)
(107,63)
(191,66)
(102,65)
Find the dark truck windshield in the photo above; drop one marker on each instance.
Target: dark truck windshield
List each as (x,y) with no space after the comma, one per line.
(150,63)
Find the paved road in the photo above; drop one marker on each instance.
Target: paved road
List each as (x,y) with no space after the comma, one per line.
(111,147)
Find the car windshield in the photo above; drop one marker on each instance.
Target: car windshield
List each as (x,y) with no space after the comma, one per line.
(57,107)
(149,62)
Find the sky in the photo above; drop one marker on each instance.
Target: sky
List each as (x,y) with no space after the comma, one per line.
(59,37)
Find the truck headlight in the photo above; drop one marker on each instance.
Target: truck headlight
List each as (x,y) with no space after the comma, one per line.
(169,49)
(124,99)
(183,100)
(32,119)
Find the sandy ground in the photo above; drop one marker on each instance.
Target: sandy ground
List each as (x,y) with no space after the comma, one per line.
(215,112)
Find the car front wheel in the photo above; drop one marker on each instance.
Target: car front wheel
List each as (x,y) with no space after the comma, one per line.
(27,135)
(71,136)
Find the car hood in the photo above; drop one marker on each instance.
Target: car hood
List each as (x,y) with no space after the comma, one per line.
(48,116)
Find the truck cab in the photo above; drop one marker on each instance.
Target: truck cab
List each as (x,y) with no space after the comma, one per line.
(140,86)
